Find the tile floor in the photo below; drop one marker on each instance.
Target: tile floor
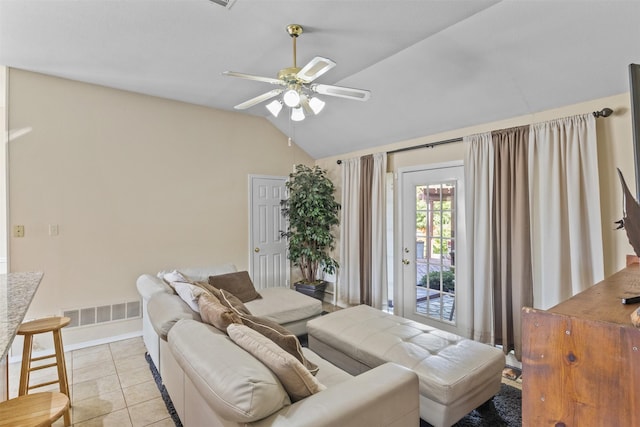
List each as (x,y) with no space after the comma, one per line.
(110,385)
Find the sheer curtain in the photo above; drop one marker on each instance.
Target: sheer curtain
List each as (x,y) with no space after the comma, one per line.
(363,273)
(478,209)
(533,222)
(349,272)
(566,227)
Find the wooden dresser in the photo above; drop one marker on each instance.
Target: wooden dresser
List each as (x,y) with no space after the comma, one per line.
(581,358)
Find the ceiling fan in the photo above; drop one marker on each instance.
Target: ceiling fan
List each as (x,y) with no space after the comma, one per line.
(297,86)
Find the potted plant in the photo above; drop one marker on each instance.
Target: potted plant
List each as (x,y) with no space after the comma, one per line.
(312,212)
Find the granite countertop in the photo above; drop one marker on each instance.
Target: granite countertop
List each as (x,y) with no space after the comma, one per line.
(16,292)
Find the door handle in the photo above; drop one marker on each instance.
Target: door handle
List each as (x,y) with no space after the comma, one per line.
(256,250)
(405,261)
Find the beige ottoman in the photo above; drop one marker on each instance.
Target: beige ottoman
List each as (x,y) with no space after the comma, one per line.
(456,374)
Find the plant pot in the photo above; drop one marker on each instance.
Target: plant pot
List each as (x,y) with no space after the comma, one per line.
(315,290)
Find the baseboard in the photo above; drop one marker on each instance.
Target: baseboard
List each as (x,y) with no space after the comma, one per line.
(81,345)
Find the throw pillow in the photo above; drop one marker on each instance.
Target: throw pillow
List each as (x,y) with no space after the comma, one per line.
(238,283)
(216,314)
(189,294)
(281,336)
(295,378)
(226,298)
(175,276)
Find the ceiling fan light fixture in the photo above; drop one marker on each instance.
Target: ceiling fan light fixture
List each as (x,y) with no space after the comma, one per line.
(316,104)
(297,115)
(274,107)
(291,98)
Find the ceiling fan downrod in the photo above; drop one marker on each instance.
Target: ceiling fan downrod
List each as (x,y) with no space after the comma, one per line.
(294,30)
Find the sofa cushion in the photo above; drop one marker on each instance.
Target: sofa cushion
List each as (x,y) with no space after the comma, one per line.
(292,306)
(238,283)
(216,314)
(294,376)
(281,337)
(234,384)
(165,310)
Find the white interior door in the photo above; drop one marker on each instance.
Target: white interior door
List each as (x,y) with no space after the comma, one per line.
(431,258)
(268,257)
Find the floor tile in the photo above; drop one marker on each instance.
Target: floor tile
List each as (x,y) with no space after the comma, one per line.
(92,359)
(140,392)
(110,385)
(131,363)
(97,406)
(95,387)
(118,418)
(148,412)
(127,348)
(135,376)
(167,422)
(95,349)
(93,372)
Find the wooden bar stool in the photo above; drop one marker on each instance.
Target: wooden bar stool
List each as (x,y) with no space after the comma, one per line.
(35,410)
(40,326)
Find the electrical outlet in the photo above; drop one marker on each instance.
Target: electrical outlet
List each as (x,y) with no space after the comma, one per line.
(18,231)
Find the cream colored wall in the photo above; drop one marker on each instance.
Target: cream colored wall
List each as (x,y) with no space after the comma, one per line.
(135,184)
(615,150)
(3,170)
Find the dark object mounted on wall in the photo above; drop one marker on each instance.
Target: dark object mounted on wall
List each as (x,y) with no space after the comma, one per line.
(634,91)
(630,216)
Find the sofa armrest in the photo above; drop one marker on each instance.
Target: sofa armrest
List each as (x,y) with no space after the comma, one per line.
(149,285)
(384,396)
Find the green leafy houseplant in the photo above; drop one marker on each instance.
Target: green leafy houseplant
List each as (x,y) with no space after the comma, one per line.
(312,213)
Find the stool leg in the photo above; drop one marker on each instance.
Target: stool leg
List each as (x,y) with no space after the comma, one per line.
(67,415)
(62,367)
(26,365)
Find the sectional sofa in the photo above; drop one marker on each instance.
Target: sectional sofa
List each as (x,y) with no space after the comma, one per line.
(217,380)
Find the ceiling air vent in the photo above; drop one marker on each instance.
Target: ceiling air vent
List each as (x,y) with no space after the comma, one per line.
(225,3)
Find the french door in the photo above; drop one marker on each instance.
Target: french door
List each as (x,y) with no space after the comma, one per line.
(432,253)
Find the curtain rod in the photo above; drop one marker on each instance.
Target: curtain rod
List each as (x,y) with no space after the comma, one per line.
(605,112)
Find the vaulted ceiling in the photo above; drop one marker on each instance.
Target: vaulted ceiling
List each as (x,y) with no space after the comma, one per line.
(431,65)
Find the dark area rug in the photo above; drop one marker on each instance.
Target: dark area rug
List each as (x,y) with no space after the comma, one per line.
(163,391)
(504,410)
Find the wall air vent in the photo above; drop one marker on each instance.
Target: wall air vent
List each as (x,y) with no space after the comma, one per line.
(224,3)
(103,314)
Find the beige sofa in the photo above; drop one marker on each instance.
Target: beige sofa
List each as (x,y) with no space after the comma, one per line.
(214,382)
(281,305)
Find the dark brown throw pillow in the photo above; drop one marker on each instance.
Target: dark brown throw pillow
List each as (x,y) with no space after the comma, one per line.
(226,298)
(238,283)
(281,336)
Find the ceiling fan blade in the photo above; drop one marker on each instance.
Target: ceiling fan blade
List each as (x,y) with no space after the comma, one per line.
(258,99)
(341,92)
(315,68)
(252,77)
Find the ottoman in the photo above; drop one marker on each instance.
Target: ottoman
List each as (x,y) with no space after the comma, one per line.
(456,374)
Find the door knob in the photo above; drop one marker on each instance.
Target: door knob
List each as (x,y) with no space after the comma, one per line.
(405,261)
(256,250)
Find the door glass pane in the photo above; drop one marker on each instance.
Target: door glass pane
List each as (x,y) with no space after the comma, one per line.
(435,251)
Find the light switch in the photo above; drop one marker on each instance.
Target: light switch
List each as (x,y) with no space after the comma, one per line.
(18,231)
(53,230)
